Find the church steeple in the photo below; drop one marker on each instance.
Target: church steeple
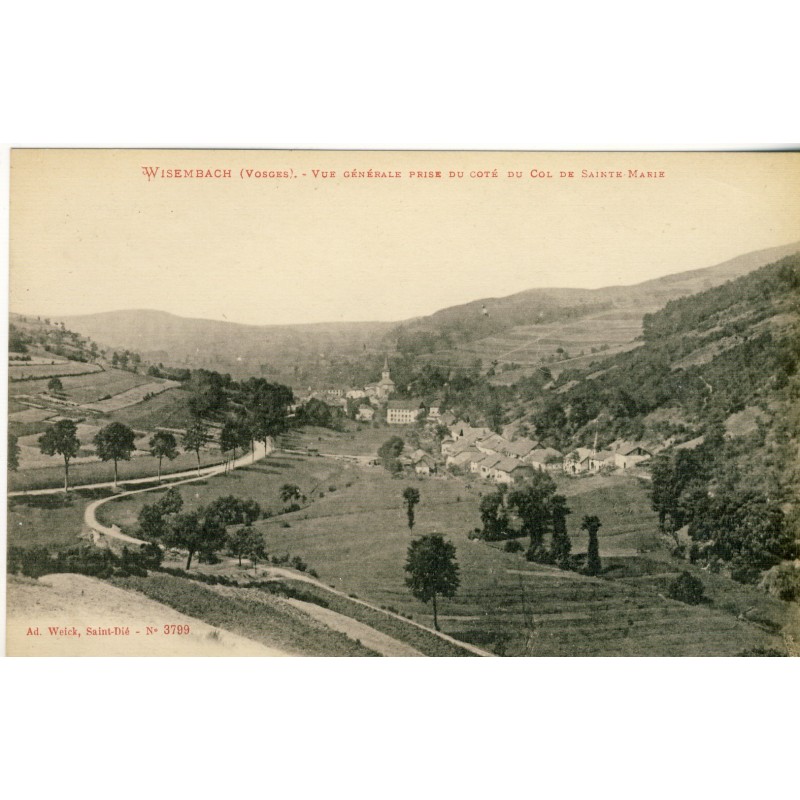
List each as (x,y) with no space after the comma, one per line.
(385,374)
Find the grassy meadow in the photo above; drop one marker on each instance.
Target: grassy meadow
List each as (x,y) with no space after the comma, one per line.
(355,535)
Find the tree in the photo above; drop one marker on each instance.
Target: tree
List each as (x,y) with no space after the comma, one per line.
(13,453)
(592,524)
(228,439)
(687,589)
(154,519)
(290,492)
(247,542)
(560,544)
(195,438)
(115,443)
(163,445)
(389,451)
(196,532)
(54,385)
(531,502)
(61,438)
(494,515)
(432,570)
(411,498)
(231,510)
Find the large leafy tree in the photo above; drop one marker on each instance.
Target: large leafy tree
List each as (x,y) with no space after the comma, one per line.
(195,438)
(494,515)
(432,570)
(231,510)
(196,532)
(61,439)
(155,518)
(532,504)
(410,498)
(389,451)
(266,405)
(163,445)
(115,443)
(745,528)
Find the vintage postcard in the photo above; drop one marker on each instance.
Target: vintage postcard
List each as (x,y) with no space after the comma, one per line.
(332,403)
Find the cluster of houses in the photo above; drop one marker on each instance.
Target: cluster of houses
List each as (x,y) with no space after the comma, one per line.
(478,450)
(375,399)
(493,457)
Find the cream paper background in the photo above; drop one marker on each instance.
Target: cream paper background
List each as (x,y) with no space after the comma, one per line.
(89,232)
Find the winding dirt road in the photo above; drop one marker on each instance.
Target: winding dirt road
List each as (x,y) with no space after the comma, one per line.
(99,530)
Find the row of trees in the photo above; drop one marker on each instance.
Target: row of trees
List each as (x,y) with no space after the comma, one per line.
(539,510)
(115,442)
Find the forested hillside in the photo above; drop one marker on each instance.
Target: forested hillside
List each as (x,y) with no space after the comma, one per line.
(713,391)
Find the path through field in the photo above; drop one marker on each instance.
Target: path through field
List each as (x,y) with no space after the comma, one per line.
(97,527)
(369,637)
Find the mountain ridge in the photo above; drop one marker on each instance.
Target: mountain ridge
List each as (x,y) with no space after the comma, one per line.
(276,350)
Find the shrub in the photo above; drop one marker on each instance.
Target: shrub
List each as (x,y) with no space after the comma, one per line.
(512,546)
(782,581)
(299,564)
(687,589)
(539,554)
(285,524)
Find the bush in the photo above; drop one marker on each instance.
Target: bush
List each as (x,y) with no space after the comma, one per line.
(687,588)
(299,564)
(512,546)
(782,581)
(539,554)
(34,562)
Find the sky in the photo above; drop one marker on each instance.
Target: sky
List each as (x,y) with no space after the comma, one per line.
(90,233)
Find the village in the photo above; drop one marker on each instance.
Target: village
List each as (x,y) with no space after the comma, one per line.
(457,447)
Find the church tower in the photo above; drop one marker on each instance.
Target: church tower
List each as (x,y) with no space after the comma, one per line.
(386,384)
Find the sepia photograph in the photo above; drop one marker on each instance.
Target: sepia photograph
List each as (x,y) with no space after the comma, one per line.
(403,403)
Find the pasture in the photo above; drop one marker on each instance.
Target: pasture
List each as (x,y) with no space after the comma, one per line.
(47,520)
(170,409)
(356,538)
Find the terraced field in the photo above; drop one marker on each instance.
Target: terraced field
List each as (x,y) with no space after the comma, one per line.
(170,409)
(27,370)
(356,539)
(606,333)
(84,388)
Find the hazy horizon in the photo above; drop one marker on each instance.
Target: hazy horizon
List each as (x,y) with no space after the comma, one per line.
(132,309)
(90,234)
